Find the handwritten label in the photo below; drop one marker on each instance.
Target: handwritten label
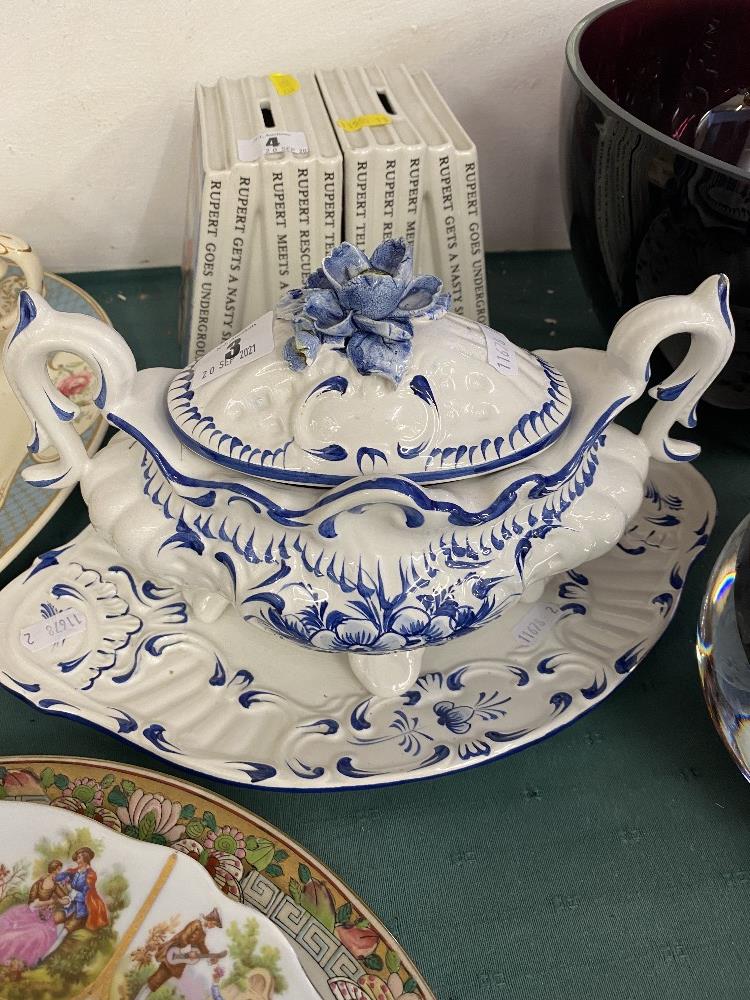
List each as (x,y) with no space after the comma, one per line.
(254,342)
(284,83)
(271,142)
(52,630)
(363,121)
(530,630)
(501,353)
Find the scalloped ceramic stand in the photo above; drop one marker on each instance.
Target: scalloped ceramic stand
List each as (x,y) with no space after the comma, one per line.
(246,706)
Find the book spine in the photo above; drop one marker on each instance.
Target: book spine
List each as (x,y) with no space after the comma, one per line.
(331,205)
(413,188)
(427,257)
(204,277)
(256,297)
(240,195)
(370,197)
(190,246)
(270,264)
(281,222)
(378,227)
(402,172)
(436,250)
(476,301)
(448,203)
(219,224)
(356,187)
(392,179)
(302,176)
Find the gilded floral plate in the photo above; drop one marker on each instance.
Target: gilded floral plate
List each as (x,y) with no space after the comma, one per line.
(106,917)
(243,705)
(127,931)
(24,509)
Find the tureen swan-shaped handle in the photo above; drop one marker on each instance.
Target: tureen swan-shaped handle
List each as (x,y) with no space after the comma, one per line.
(41,331)
(706,317)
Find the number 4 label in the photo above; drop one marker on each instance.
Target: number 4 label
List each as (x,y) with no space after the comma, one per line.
(271,142)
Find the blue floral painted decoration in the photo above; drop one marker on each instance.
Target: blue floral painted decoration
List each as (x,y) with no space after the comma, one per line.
(363,305)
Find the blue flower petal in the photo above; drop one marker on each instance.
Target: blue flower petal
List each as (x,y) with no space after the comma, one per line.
(306,341)
(434,310)
(410,621)
(371,355)
(322,307)
(296,361)
(440,306)
(290,303)
(335,343)
(421,292)
(389,641)
(364,304)
(344,328)
(395,258)
(389,329)
(357,632)
(344,263)
(301,349)
(371,294)
(438,629)
(318,279)
(325,639)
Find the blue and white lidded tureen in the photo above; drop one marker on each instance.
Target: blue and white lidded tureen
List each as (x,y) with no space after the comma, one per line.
(364,471)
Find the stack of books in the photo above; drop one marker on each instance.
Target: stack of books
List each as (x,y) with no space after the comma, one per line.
(410,170)
(285,167)
(265,199)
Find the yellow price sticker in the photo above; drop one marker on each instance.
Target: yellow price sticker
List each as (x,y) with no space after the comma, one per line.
(284,83)
(364,121)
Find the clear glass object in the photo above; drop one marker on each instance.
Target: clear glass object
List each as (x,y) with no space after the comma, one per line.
(723,645)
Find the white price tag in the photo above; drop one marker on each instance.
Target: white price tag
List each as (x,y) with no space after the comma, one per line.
(254,342)
(501,353)
(534,625)
(52,630)
(271,142)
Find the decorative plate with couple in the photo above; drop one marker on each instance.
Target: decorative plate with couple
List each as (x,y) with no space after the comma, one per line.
(88,913)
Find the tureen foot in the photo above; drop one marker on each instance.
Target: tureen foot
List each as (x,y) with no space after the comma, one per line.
(386,674)
(206,606)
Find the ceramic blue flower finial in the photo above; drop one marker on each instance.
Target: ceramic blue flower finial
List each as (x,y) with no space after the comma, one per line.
(364,306)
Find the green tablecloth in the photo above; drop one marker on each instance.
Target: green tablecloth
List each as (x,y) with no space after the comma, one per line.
(611,861)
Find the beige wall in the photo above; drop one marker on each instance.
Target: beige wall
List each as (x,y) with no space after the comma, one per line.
(98,105)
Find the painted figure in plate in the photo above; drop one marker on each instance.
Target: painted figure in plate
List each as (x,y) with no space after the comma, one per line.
(56,927)
(182,960)
(202,960)
(84,907)
(28,931)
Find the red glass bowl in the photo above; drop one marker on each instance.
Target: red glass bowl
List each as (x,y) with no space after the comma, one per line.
(648,214)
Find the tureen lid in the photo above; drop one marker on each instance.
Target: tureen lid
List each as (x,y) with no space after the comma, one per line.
(315,402)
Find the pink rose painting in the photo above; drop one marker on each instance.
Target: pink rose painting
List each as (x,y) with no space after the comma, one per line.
(74,383)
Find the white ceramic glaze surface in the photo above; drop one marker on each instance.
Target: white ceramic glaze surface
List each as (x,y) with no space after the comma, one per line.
(252,708)
(452,415)
(376,562)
